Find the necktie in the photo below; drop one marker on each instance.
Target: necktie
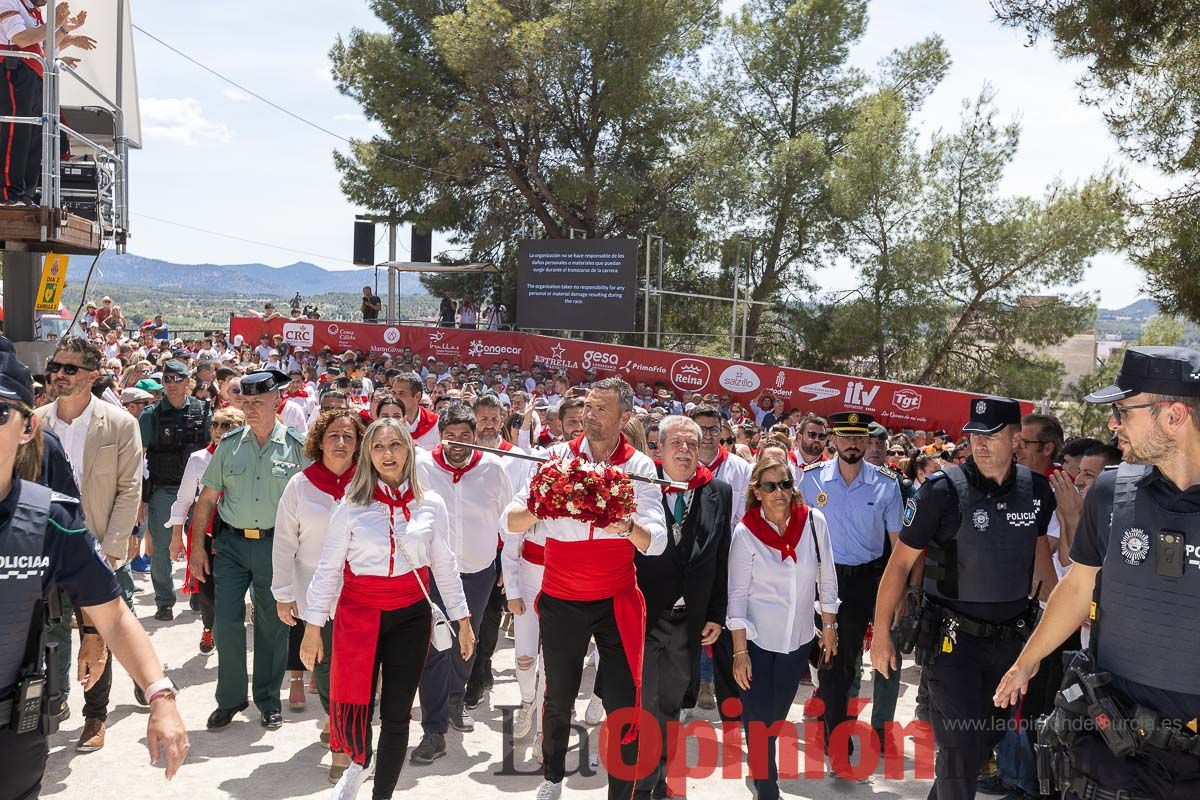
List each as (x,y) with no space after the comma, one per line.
(680,510)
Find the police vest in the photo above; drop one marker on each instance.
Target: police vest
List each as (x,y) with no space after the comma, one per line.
(991,557)
(22,567)
(1148,624)
(180,433)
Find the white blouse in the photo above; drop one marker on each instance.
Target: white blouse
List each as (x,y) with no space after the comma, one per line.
(772,598)
(359,536)
(189,486)
(301,522)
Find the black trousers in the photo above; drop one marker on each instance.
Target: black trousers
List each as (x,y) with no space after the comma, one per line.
(857,588)
(489,636)
(966,723)
(1151,773)
(22,763)
(567,627)
(666,675)
(20,145)
(724,685)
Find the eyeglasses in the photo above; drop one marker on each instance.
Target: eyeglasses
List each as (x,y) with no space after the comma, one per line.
(6,411)
(710,430)
(1033,442)
(652,445)
(896,452)
(820,437)
(175,378)
(71,369)
(771,486)
(1117,410)
(222,426)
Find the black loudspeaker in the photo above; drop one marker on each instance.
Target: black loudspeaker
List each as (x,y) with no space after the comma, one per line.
(364,243)
(422,245)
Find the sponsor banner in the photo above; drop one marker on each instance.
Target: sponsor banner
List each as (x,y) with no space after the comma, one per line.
(896,405)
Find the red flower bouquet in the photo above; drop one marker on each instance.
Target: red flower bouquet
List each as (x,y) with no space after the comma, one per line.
(572,488)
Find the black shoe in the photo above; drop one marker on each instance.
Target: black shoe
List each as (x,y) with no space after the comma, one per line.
(272,720)
(992,786)
(164,614)
(223,716)
(473,696)
(64,711)
(432,746)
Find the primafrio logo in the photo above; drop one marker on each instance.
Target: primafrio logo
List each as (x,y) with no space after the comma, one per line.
(298,334)
(392,335)
(907,400)
(737,378)
(689,374)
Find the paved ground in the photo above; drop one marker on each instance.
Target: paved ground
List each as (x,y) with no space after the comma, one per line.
(246,762)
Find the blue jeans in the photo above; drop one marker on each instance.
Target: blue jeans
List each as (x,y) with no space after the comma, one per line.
(774,681)
(706,667)
(158,511)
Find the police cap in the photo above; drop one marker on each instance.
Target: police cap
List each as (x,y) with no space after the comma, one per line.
(263,381)
(877,431)
(850,423)
(991,414)
(15,381)
(176,366)
(1173,371)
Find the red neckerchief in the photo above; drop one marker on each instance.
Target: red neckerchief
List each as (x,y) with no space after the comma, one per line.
(393,499)
(623,453)
(792,458)
(297,393)
(212,448)
(426,420)
(327,480)
(439,456)
(722,454)
(757,524)
(702,477)
(505,446)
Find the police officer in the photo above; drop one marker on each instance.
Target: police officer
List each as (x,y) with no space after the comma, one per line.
(247,475)
(1136,574)
(862,506)
(44,546)
(172,429)
(981,528)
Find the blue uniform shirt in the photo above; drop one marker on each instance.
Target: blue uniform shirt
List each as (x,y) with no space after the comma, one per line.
(859,515)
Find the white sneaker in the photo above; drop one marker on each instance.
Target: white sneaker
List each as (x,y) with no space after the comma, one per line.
(525,718)
(595,711)
(549,791)
(350,782)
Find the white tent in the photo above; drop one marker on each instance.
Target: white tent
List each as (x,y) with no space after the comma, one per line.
(111,70)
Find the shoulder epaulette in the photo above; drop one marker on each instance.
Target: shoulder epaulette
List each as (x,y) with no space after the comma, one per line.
(297,435)
(888,472)
(57,497)
(235,432)
(1111,467)
(814,465)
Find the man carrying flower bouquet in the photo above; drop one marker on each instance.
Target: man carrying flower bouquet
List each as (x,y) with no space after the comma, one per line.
(589,588)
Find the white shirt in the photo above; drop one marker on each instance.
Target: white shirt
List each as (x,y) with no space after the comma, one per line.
(359,536)
(189,486)
(10,26)
(649,513)
(772,598)
(293,416)
(736,472)
(518,469)
(73,435)
(473,506)
(429,440)
(510,557)
(301,522)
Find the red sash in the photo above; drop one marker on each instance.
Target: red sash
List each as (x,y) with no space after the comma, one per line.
(426,421)
(534,553)
(36,66)
(440,457)
(599,569)
(757,524)
(190,586)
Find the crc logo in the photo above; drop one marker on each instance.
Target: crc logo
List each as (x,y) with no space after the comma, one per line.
(907,400)
(739,379)
(689,374)
(298,334)
(598,359)
(391,335)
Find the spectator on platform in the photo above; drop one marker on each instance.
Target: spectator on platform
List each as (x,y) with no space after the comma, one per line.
(495,314)
(446,311)
(468,313)
(371,305)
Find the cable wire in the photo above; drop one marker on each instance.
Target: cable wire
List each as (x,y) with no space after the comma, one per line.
(239,238)
(83,297)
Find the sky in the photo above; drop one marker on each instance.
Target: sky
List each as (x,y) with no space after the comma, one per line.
(216,158)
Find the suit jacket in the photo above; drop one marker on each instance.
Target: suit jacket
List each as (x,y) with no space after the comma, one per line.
(696,568)
(111,490)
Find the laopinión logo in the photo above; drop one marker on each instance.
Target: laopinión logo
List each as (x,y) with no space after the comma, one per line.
(725,745)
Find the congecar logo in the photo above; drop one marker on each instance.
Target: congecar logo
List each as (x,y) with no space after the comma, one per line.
(907,400)
(298,334)
(689,374)
(739,379)
(478,348)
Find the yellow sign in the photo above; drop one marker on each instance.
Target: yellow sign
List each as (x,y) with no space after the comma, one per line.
(54,277)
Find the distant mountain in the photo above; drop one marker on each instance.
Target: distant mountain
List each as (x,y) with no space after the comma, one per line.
(233,279)
(1141,310)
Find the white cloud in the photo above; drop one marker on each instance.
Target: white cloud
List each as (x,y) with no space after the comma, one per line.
(181,120)
(237,96)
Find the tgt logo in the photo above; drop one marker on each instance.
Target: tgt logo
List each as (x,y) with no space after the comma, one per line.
(907,400)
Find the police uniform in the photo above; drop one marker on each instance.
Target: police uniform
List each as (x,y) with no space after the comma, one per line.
(860,517)
(44,547)
(980,540)
(251,480)
(1143,533)
(170,435)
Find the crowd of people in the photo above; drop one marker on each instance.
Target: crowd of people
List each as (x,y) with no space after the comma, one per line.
(381,550)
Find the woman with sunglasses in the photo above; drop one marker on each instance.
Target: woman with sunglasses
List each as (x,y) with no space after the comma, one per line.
(779,560)
(223,422)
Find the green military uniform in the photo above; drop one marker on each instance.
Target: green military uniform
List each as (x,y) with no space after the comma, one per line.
(251,479)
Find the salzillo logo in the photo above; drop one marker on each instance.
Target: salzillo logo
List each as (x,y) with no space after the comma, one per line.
(689,374)
(391,335)
(598,359)
(907,399)
(298,334)
(739,379)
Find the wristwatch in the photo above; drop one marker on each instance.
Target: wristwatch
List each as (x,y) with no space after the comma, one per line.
(832,625)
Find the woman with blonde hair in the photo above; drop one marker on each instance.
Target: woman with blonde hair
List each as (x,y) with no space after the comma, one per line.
(384,540)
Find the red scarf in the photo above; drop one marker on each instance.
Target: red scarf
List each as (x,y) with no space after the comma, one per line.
(623,453)
(323,478)
(702,477)
(426,421)
(719,461)
(505,446)
(439,456)
(757,524)
(792,458)
(599,569)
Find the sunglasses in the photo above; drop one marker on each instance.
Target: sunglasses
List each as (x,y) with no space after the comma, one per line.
(818,436)
(652,445)
(710,430)
(6,411)
(727,442)
(770,486)
(72,370)
(896,452)
(176,378)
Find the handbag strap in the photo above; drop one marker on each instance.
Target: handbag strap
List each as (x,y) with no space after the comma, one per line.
(413,566)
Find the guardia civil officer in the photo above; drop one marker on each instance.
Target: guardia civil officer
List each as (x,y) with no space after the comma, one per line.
(44,546)
(1136,573)
(172,429)
(981,528)
(243,484)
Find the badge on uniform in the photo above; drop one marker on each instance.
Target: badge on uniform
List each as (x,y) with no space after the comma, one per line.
(285,464)
(822,499)
(1135,546)
(980,519)
(910,511)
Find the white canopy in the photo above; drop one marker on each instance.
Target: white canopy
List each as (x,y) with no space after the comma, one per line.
(110,68)
(425,266)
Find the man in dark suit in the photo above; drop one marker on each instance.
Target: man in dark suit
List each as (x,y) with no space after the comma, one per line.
(684,587)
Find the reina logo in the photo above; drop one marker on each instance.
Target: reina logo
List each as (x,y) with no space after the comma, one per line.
(907,400)
(739,379)
(298,334)
(689,374)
